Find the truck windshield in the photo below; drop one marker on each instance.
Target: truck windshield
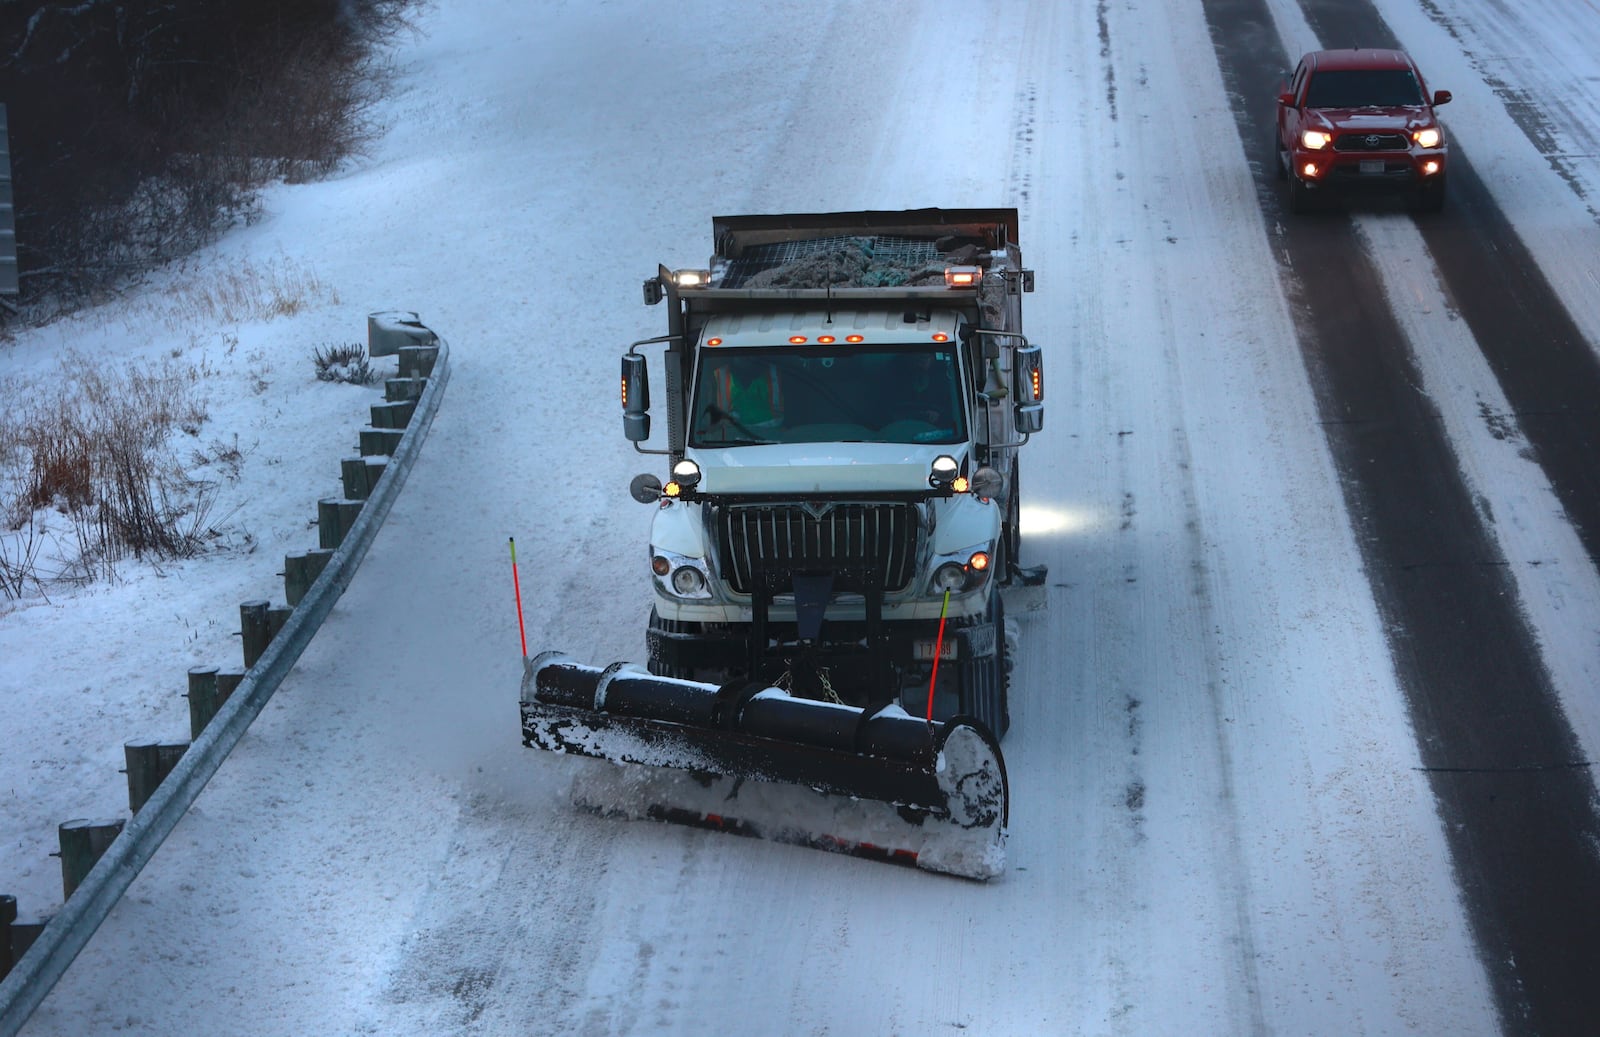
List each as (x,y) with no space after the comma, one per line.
(1353,88)
(827,394)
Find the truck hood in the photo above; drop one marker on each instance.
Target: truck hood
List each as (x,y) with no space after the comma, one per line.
(1369,120)
(813,468)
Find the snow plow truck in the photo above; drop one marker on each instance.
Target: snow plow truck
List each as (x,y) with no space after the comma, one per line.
(835,546)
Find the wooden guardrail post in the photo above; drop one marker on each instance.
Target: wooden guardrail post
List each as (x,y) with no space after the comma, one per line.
(8,914)
(384,441)
(150,760)
(202,696)
(335,517)
(404,388)
(417,361)
(361,474)
(393,414)
(82,843)
(253,628)
(300,571)
(277,616)
(24,930)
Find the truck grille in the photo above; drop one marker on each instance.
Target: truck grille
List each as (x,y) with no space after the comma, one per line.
(823,538)
(1370,142)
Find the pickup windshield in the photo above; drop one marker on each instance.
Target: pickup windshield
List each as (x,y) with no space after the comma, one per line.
(827,394)
(1350,88)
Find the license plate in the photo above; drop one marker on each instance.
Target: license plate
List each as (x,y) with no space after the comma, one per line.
(1372,165)
(922,651)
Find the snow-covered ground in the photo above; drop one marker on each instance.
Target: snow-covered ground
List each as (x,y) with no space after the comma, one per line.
(1218,822)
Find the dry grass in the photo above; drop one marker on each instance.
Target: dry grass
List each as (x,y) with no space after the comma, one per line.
(97,449)
(246,292)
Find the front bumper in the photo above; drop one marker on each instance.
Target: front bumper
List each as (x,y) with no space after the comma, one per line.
(1363,171)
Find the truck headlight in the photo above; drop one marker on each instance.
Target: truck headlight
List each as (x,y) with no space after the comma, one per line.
(1428,138)
(688,581)
(960,572)
(950,577)
(1316,140)
(680,576)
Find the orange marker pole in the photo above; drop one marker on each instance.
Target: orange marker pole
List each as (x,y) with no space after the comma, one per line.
(518,588)
(938,650)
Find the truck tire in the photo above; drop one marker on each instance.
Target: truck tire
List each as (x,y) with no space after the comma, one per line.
(984,681)
(1300,200)
(1430,197)
(1280,158)
(1011,527)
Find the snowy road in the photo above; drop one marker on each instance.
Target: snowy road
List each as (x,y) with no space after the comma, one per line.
(1221,823)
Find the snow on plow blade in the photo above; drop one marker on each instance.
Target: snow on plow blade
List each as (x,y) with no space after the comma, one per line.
(755,760)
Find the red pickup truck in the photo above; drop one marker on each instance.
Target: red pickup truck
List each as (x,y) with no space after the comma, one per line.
(1360,119)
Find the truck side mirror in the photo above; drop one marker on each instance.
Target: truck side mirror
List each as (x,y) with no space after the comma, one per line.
(1286,99)
(635,398)
(1027,374)
(1441,97)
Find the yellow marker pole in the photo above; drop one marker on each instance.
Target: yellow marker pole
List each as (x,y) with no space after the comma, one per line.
(516,586)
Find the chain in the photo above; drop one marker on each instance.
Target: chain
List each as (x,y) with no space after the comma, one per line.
(833,696)
(785,681)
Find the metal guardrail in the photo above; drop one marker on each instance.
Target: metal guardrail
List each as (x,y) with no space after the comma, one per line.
(69,931)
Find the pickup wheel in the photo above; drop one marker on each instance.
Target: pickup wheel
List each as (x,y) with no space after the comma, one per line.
(1299,195)
(1430,196)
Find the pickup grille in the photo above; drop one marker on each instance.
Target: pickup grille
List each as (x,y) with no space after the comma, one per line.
(1370,142)
(826,538)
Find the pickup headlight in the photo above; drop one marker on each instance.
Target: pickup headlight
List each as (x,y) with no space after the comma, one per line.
(1428,138)
(1316,140)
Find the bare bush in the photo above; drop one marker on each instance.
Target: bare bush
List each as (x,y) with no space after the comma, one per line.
(344,364)
(99,452)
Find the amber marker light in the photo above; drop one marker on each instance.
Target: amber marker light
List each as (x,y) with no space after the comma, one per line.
(795,340)
(826,340)
(855,338)
(939,336)
(979,560)
(960,485)
(713,342)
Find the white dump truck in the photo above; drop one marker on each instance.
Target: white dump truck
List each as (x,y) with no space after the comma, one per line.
(835,541)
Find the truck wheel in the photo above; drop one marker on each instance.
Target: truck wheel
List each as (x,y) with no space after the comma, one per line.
(1430,197)
(1299,195)
(984,681)
(1011,527)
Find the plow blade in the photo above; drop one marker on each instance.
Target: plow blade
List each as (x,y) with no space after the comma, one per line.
(754,760)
